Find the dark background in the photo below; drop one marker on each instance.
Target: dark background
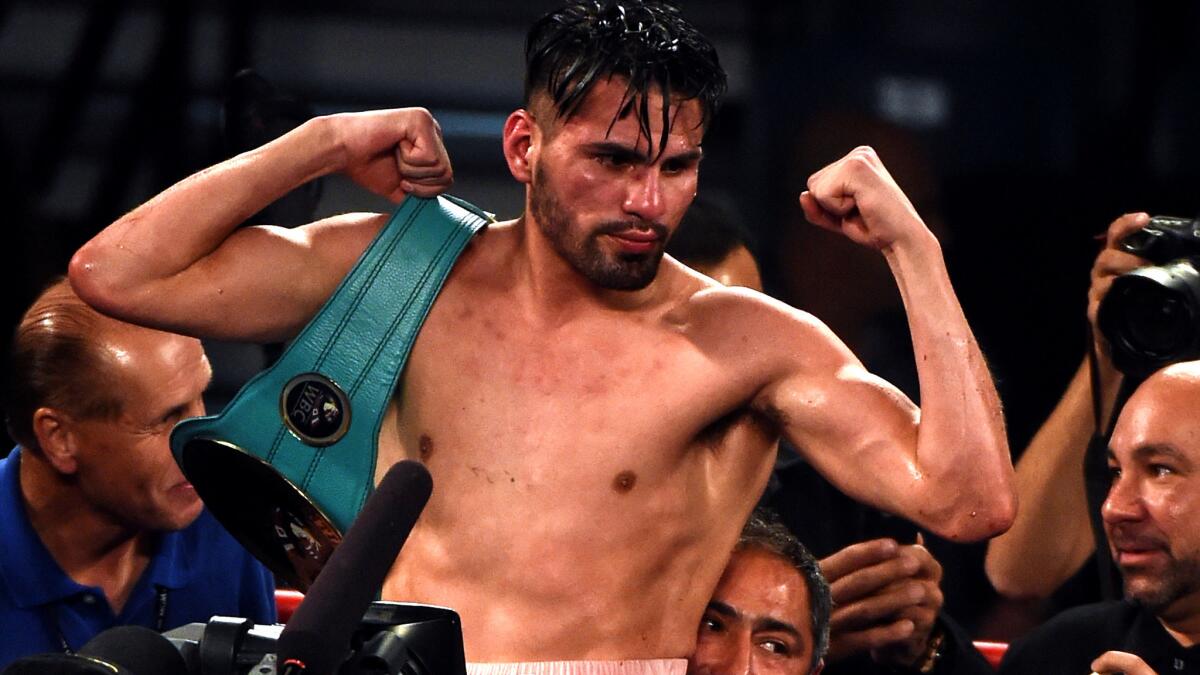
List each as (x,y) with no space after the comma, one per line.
(1020,129)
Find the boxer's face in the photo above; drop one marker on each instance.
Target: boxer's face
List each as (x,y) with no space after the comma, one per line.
(602,194)
(1153,505)
(758,620)
(124,465)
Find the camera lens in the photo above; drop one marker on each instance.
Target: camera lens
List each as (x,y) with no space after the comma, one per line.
(1158,326)
(1151,316)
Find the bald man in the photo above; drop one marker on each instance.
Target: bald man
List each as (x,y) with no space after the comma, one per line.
(1150,518)
(99,526)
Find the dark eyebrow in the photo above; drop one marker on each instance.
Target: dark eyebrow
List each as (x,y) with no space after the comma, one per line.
(722,608)
(615,148)
(1148,452)
(763,624)
(777,626)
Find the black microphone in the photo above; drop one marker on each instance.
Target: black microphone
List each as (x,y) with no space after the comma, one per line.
(61,664)
(124,650)
(138,649)
(317,638)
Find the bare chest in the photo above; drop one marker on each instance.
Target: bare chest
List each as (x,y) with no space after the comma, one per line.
(574,469)
(604,400)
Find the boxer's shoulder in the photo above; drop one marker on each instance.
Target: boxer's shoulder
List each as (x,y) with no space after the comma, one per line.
(707,305)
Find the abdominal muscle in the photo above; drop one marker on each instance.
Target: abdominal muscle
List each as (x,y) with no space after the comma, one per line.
(571,567)
(610,589)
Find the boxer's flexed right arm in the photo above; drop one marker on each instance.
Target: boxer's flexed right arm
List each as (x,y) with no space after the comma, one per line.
(177,263)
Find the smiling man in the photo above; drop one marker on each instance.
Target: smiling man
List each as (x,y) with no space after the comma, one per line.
(1150,517)
(597,418)
(99,527)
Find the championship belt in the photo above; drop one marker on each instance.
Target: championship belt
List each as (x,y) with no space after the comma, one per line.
(288,463)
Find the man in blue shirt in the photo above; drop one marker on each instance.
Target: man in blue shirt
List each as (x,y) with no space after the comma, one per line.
(99,527)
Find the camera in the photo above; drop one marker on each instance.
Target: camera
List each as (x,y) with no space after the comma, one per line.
(393,638)
(1151,315)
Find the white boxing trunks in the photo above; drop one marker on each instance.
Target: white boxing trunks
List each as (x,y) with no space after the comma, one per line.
(630,667)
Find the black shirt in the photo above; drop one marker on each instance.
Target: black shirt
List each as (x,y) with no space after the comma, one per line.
(1069,642)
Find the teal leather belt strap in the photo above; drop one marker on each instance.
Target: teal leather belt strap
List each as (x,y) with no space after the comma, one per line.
(289,462)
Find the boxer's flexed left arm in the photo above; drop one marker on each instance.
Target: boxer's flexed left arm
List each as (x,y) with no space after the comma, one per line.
(177,262)
(945,466)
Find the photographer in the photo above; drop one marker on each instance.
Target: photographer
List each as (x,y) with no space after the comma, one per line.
(1051,540)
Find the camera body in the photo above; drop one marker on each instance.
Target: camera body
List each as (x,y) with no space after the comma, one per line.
(1163,239)
(393,638)
(1151,315)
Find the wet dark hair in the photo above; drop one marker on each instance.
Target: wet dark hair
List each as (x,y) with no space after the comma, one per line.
(649,43)
(765,531)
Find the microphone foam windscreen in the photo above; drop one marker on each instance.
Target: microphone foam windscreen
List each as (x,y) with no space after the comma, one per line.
(60,664)
(318,634)
(139,650)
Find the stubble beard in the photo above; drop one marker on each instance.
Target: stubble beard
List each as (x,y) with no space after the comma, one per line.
(582,250)
(1156,592)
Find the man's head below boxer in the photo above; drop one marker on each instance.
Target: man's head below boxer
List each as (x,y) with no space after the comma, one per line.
(1153,504)
(617,98)
(93,400)
(769,613)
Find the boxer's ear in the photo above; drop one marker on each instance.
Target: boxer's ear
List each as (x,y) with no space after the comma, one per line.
(57,443)
(521,137)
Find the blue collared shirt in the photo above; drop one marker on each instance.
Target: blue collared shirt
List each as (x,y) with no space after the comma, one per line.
(201,570)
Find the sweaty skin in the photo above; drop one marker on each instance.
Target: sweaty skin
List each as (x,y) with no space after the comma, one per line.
(590,448)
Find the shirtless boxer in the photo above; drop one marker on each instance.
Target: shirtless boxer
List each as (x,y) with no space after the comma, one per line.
(599,420)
